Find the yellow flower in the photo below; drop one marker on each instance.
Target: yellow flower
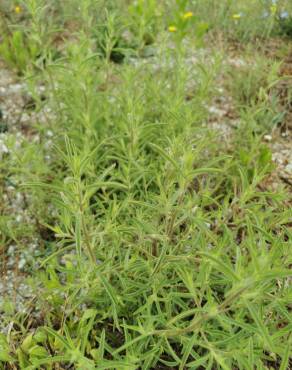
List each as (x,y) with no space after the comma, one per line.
(17,9)
(172,29)
(236,16)
(187,15)
(273,9)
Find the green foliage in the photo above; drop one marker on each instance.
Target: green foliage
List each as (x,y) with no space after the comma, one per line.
(252,84)
(164,249)
(5,355)
(17,51)
(185,22)
(145,20)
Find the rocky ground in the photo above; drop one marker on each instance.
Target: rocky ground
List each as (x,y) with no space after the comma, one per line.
(17,127)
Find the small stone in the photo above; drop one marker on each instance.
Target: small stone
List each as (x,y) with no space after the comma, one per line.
(11,250)
(18,218)
(217,111)
(3,149)
(288,168)
(268,138)
(21,263)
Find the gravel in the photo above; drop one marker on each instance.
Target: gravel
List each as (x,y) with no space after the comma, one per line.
(16,128)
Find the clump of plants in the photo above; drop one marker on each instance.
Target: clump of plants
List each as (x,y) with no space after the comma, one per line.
(161,245)
(17,51)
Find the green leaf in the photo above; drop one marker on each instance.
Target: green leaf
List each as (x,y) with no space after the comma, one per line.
(187,350)
(287,355)
(5,355)
(27,343)
(261,327)
(38,351)
(163,153)
(222,266)
(58,337)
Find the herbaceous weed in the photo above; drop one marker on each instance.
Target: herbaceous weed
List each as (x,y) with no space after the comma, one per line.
(161,245)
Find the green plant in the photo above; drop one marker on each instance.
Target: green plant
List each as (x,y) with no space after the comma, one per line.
(159,244)
(146,20)
(184,22)
(17,51)
(253,87)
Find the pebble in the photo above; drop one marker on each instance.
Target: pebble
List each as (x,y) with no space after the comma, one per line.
(217,111)
(268,138)
(288,168)
(3,148)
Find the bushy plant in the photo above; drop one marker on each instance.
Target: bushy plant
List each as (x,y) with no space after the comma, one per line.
(160,244)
